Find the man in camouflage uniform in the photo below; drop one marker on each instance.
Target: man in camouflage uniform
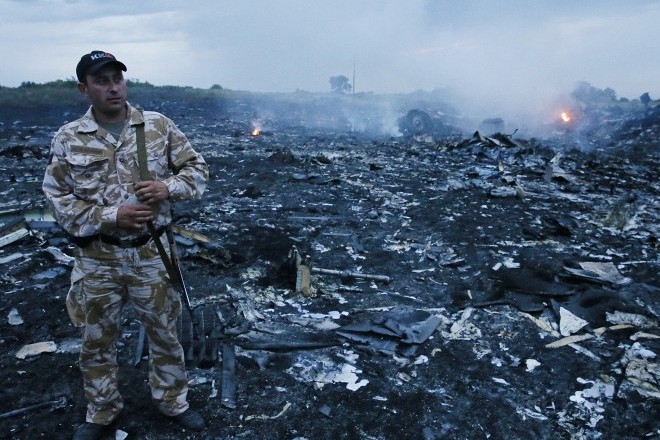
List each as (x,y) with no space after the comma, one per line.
(93,189)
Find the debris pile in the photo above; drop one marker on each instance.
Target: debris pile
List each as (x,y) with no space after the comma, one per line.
(375,287)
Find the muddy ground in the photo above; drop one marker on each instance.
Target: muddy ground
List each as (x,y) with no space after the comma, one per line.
(481,241)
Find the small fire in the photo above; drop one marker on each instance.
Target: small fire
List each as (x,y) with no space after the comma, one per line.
(256,131)
(565,116)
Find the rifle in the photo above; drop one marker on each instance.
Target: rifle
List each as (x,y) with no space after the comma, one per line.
(171,262)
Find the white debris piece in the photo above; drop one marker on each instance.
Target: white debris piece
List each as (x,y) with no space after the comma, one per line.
(640,370)
(630,318)
(214,391)
(69,345)
(14,318)
(348,375)
(531,364)
(286,407)
(60,256)
(325,324)
(12,257)
(643,335)
(323,370)
(585,352)
(198,380)
(601,272)
(589,403)
(350,356)
(13,236)
(643,352)
(317,315)
(509,263)
(501,381)
(569,323)
(462,329)
(35,349)
(599,390)
(568,340)
(542,322)
(537,414)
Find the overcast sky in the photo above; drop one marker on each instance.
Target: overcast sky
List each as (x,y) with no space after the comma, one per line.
(489,51)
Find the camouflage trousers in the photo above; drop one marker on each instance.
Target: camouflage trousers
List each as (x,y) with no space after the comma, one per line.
(99,289)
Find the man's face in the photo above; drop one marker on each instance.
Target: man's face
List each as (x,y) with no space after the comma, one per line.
(106,90)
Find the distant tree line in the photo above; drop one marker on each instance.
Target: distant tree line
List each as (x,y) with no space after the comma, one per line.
(64,93)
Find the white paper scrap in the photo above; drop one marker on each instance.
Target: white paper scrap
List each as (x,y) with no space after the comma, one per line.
(569,323)
(36,349)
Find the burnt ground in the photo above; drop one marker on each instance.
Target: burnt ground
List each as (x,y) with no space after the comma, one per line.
(482,241)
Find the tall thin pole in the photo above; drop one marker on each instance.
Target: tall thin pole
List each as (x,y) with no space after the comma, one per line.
(354,78)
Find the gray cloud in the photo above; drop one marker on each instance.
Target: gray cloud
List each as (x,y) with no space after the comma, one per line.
(500,56)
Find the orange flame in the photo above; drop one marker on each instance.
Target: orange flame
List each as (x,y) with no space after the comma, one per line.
(565,116)
(256,132)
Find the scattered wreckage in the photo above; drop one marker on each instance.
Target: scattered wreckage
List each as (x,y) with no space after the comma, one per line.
(390,288)
(417,122)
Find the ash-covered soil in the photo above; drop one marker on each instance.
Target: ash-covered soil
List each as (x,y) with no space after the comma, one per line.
(486,243)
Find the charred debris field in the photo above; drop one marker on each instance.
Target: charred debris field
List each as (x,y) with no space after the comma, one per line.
(355,281)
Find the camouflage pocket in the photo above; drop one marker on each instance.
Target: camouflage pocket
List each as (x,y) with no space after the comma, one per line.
(150,250)
(74,304)
(175,304)
(157,162)
(88,173)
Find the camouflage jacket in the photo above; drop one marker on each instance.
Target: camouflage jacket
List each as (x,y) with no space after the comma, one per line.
(90,174)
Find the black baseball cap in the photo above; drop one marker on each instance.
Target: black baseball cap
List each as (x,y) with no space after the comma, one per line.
(90,63)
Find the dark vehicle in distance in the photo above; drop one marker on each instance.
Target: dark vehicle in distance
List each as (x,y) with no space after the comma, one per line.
(426,123)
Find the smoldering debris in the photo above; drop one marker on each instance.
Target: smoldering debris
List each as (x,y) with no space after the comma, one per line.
(488,286)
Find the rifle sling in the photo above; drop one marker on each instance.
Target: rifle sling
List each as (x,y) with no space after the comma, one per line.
(172,271)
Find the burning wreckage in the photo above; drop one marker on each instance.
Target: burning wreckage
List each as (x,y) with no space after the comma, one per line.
(371,287)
